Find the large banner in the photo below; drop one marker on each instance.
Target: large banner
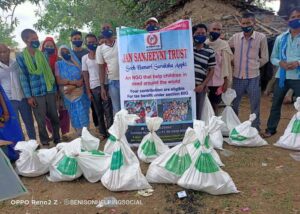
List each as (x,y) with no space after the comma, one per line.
(157,79)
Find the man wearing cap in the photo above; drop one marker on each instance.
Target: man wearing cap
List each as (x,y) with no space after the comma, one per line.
(152,24)
(107,53)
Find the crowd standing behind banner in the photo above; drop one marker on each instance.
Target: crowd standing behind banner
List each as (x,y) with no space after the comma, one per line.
(81,76)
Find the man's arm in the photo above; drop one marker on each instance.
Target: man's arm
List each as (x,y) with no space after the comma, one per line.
(102,74)
(209,75)
(275,58)
(86,77)
(211,68)
(100,60)
(264,52)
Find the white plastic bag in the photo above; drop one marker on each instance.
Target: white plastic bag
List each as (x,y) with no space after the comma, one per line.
(203,133)
(216,138)
(169,167)
(65,166)
(205,175)
(229,117)
(207,110)
(46,156)
(88,141)
(151,145)
(93,164)
(32,162)
(124,173)
(245,135)
(121,121)
(291,136)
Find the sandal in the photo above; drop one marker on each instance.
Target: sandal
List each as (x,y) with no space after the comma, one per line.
(267,134)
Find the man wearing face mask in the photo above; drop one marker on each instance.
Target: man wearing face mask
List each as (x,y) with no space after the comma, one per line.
(76,39)
(108,53)
(152,24)
(9,79)
(79,51)
(286,56)
(38,84)
(204,60)
(91,74)
(223,71)
(250,53)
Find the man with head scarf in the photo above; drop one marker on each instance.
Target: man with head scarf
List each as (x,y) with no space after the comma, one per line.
(38,84)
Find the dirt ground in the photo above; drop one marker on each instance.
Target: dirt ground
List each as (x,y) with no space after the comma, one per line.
(271,187)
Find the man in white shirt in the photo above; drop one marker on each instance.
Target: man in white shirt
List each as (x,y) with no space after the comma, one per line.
(91,75)
(9,79)
(107,53)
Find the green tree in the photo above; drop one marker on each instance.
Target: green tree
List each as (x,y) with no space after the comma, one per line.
(6,35)
(9,22)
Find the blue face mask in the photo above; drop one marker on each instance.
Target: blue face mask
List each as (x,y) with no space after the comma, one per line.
(247,29)
(107,33)
(77,43)
(66,56)
(199,39)
(294,24)
(35,44)
(152,28)
(49,50)
(92,47)
(214,36)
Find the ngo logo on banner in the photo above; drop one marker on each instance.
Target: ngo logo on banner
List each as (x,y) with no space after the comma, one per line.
(152,41)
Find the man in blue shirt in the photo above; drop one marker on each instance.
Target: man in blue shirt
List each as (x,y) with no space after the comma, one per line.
(285,55)
(38,84)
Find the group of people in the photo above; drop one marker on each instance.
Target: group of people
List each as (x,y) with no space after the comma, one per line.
(175,111)
(62,84)
(237,62)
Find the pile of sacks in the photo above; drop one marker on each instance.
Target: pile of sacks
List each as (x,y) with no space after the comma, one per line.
(66,161)
(194,164)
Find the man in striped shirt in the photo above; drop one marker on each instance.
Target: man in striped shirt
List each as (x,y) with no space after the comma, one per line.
(204,60)
(250,53)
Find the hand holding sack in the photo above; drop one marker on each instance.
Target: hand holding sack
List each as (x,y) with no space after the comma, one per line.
(170,166)
(124,173)
(245,135)
(291,136)
(151,146)
(216,138)
(32,162)
(229,117)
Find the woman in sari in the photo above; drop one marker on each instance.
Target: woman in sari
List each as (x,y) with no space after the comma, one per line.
(50,51)
(10,129)
(69,77)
